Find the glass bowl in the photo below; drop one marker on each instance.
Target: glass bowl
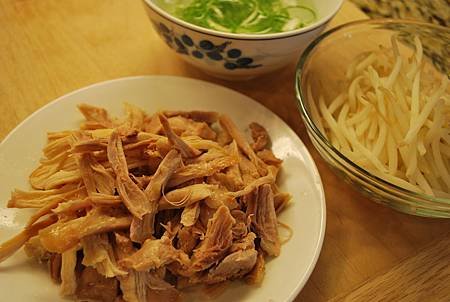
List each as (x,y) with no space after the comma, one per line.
(323,67)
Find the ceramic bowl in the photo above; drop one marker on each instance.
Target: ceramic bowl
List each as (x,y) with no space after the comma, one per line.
(237,56)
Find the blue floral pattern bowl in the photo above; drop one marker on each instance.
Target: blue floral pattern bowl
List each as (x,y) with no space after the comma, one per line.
(237,56)
(232,58)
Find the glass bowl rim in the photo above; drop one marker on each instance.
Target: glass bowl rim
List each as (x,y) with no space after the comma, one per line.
(304,59)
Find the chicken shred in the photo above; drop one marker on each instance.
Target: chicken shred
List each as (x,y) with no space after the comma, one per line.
(155,253)
(99,254)
(133,197)
(142,229)
(61,236)
(260,137)
(186,150)
(264,219)
(68,274)
(218,240)
(208,117)
(138,208)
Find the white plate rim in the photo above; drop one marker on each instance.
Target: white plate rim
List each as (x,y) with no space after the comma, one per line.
(322,224)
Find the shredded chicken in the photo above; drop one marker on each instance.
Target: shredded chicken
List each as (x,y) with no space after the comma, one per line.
(260,137)
(68,273)
(264,219)
(136,209)
(142,229)
(61,236)
(99,254)
(186,127)
(218,240)
(185,149)
(208,117)
(155,254)
(94,286)
(256,276)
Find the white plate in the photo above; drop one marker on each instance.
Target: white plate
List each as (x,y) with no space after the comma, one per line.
(23,280)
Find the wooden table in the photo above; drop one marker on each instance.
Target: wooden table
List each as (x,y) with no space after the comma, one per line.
(50,47)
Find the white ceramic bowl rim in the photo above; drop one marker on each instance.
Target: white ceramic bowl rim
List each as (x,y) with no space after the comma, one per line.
(233,36)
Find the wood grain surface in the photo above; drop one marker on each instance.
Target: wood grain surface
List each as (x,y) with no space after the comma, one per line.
(50,47)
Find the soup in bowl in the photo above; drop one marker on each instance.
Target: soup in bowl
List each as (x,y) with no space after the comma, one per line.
(240,39)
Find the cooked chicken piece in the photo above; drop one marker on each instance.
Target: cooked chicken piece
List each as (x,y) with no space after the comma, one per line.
(84,162)
(142,181)
(246,243)
(185,196)
(228,124)
(93,286)
(188,238)
(134,284)
(248,170)
(99,254)
(256,276)
(133,197)
(221,197)
(240,260)
(218,240)
(269,158)
(209,155)
(186,150)
(234,178)
(233,266)
(95,177)
(155,253)
(33,248)
(160,290)
(96,117)
(200,143)
(208,117)
(153,125)
(206,213)
(280,200)
(72,206)
(190,214)
(9,247)
(143,229)
(202,169)
(68,274)
(226,180)
(142,286)
(268,179)
(260,137)
(186,127)
(61,236)
(135,117)
(223,137)
(105,199)
(241,227)
(264,219)
(54,266)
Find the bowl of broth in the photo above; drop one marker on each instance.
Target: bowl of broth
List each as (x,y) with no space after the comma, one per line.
(239,39)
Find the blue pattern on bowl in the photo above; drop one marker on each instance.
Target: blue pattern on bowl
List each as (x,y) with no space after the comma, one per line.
(183,44)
